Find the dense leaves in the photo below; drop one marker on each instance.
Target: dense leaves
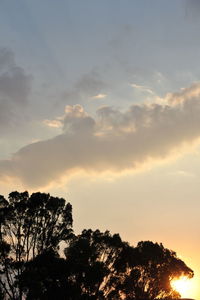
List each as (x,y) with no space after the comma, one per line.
(105,266)
(45,277)
(29,226)
(94,258)
(94,265)
(151,271)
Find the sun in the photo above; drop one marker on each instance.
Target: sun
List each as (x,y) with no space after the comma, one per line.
(182,285)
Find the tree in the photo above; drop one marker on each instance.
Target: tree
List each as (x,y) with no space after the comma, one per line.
(151,269)
(97,265)
(93,257)
(46,277)
(29,225)
(105,267)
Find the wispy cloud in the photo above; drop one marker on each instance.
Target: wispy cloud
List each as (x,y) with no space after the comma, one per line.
(113,141)
(53,123)
(99,96)
(142,88)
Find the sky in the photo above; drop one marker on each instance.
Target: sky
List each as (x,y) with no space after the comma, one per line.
(100,104)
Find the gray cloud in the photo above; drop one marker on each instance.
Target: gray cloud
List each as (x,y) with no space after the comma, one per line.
(15,87)
(89,85)
(193,4)
(6,58)
(115,141)
(192,8)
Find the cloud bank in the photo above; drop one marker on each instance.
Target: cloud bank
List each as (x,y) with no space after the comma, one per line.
(113,141)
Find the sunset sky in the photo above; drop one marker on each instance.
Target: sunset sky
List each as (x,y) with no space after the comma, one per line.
(100,104)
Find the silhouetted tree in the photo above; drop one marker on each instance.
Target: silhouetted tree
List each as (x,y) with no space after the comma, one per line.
(97,265)
(151,269)
(105,267)
(93,258)
(46,277)
(29,226)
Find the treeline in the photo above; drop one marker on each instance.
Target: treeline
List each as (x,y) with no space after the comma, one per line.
(41,257)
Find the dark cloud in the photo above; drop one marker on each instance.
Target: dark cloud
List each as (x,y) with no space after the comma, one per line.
(15,87)
(6,59)
(115,141)
(87,86)
(192,9)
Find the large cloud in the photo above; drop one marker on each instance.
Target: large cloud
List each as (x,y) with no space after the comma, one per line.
(115,141)
(14,90)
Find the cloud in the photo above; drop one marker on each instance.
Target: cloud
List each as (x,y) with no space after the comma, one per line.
(15,87)
(142,88)
(53,123)
(188,93)
(114,141)
(192,8)
(87,86)
(99,96)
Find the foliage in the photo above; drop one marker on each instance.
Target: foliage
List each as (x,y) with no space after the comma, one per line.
(94,259)
(150,271)
(105,266)
(45,277)
(29,226)
(97,265)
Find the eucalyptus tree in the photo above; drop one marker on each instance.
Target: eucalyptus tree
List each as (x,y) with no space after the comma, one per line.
(97,265)
(105,267)
(29,225)
(100,266)
(150,270)
(94,257)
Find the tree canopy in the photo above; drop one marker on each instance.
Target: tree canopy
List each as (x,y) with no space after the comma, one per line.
(29,226)
(102,265)
(91,265)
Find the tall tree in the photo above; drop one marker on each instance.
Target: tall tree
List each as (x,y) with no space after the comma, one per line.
(93,258)
(29,226)
(105,267)
(150,271)
(97,265)
(46,278)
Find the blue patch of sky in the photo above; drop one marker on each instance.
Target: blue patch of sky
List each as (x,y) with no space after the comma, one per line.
(125,41)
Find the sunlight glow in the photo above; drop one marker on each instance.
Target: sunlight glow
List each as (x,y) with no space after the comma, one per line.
(183,286)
